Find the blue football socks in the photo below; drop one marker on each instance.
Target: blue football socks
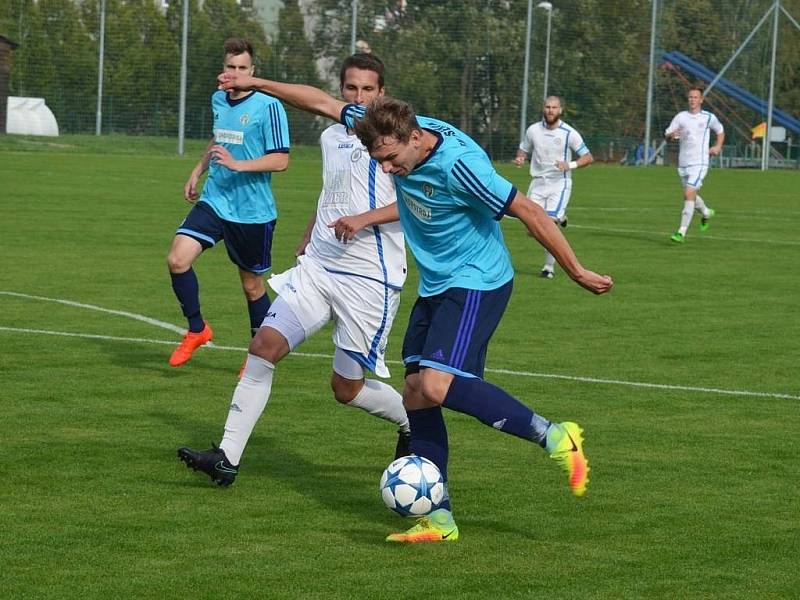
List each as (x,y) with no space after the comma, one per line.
(187,291)
(429,439)
(258,311)
(496,408)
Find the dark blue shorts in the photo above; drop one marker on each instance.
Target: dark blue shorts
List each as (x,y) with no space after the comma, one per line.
(450,331)
(249,245)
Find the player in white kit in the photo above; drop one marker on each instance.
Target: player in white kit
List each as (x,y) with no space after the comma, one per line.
(550,144)
(350,269)
(692,128)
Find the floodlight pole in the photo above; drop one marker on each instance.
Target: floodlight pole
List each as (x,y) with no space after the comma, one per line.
(98,123)
(650,75)
(768,132)
(524,105)
(182,100)
(353,23)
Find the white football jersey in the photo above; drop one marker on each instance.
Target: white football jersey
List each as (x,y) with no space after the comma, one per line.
(353,183)
(694,136)
(546,146)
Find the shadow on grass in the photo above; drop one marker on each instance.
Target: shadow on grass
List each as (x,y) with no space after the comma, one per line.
(348,486)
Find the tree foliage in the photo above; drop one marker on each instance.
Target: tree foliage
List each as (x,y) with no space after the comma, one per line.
(462,62)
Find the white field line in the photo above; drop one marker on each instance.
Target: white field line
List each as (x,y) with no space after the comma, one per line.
(595,380)
(704,236)
(121,313)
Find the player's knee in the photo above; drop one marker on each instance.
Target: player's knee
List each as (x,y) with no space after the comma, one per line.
(253,288)
(434,389)
(177,263)
(345,390)
(269,345)
(412,392)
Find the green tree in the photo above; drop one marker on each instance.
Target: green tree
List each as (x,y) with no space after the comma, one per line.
(209,27)
(293,61)
(55,60)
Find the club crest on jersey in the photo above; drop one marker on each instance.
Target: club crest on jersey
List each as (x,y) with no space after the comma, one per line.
(427,188)
(557,141)
(356,155)
(244,119)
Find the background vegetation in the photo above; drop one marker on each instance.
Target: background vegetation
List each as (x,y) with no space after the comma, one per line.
(463,65)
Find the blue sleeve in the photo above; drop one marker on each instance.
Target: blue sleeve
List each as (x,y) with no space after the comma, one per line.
(276,129)
(476,184)
(350,114)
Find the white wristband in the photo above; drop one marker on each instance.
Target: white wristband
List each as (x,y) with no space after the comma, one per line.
(573,165)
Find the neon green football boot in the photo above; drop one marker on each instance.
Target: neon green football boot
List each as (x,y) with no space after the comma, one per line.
(438,526)
(704,220)
(565,445)
(677,237)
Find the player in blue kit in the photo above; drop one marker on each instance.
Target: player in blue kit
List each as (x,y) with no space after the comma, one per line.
(250,142)
(450,201)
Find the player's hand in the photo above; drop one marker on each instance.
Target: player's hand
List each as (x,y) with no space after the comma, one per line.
(675,135)
(190,193)
(562,165)
(346,228)
(595,283)
(221,156)
(714,151)
(519,160)
(235,81)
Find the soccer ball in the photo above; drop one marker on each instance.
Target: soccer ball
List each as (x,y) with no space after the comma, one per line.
(412,486)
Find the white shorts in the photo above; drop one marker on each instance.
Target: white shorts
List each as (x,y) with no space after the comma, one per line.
(362,310)
(693,176)
(552,194)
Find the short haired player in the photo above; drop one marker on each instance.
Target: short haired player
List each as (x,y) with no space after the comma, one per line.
(692,128)
(450,201)
(351,266)
(250,142)
(550,144)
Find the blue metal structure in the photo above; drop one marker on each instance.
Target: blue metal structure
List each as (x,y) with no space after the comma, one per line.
(729,88)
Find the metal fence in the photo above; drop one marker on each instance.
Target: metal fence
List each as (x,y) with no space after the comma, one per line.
(483,65)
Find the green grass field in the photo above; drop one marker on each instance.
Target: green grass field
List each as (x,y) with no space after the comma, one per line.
(685,378)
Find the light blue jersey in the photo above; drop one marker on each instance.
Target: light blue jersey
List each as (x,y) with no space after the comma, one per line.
(249,128)
(450,206)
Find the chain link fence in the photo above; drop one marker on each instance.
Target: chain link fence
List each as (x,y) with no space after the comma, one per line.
(463,62)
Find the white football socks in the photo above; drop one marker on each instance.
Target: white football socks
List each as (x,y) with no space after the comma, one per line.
(686,216)
(549,261)
(249,400)
(700,206)
(383,401)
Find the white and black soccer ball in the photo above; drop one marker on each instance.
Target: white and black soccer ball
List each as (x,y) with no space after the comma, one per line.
(412,486)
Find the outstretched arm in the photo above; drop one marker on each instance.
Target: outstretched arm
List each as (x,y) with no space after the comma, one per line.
(542,227)
(300,96)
